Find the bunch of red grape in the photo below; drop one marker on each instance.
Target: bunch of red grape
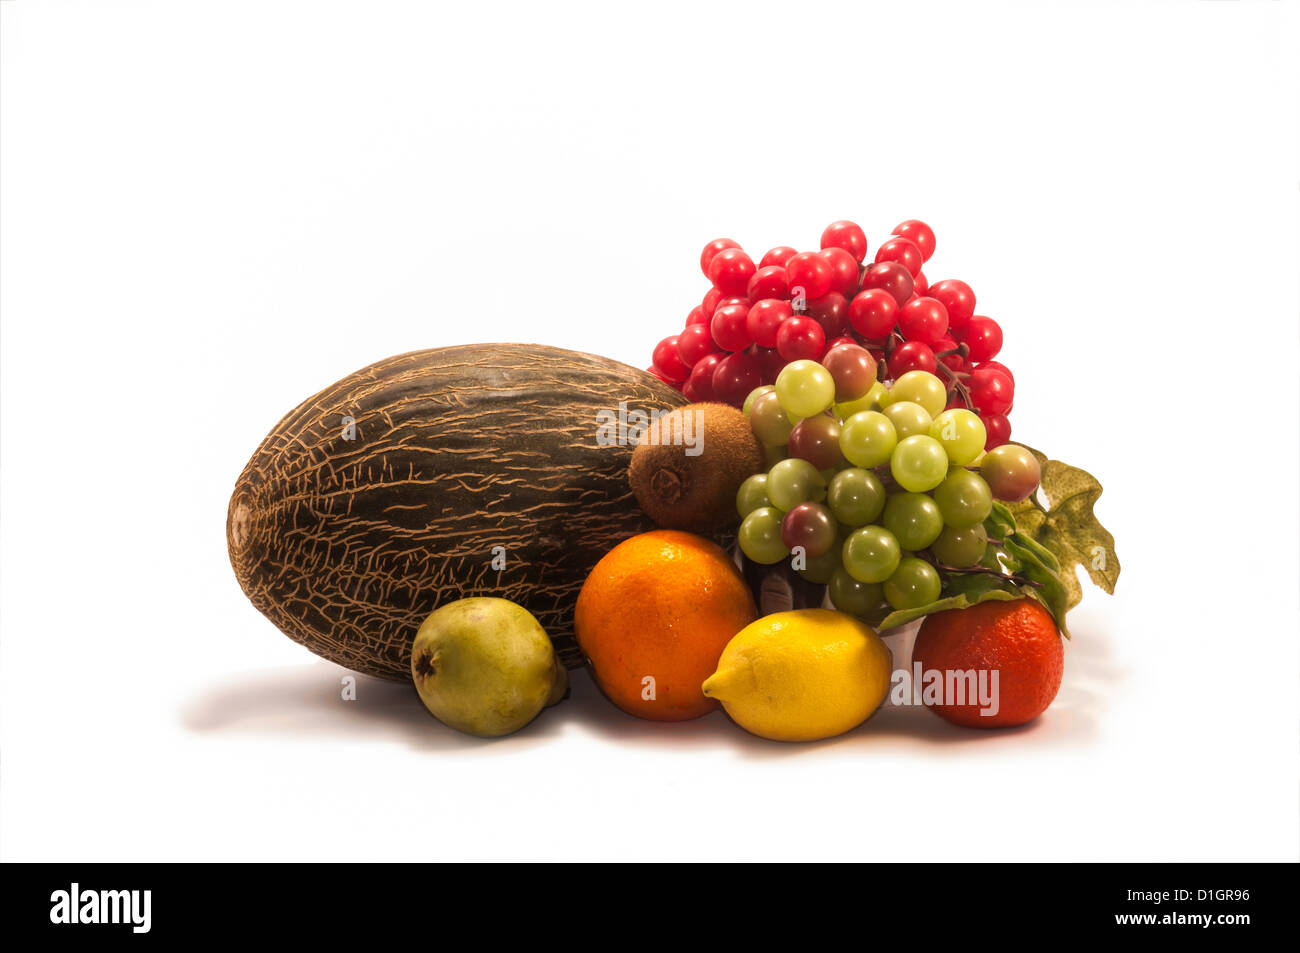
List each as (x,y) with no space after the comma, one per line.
(793,305)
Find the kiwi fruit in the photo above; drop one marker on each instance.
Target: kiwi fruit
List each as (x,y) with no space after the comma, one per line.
(690,462)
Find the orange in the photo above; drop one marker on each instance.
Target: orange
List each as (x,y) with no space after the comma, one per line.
(653,618)
(1017,639)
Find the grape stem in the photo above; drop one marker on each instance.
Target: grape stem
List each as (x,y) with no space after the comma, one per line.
(985,571)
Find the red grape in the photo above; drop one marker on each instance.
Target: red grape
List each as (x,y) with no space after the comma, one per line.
(998,429)
(668,363)
(768,282)
(852,368)
(911,356)
(990,391)
(957,298)
(701,379)
(923,319)
(764,318)
(770,363)
(695,342)
(711,250)
(811,272)
(778,256)
(984,338)
(659,374)
(730,271)
(697,316)
(844,271)
(831,345)
(954,361)
(729,327)
(903,251)
(892,277)
(800,339)
(873,313)
(920,284)
(920,235)
(810,526)
(710,302)
(1000,367)
(734,377)
(817,440)
(848,236)
(831,311)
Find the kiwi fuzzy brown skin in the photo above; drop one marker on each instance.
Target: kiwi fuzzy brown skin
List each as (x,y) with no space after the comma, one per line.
(696,493)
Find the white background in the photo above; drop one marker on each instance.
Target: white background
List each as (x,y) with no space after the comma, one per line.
(211,210)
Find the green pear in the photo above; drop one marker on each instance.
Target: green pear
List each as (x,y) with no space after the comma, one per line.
(484,666)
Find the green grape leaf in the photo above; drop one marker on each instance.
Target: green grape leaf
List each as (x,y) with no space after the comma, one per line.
(964,590)
(1067,526)
(1052,591)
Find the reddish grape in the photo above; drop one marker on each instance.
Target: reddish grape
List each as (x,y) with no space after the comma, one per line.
(811,527)
(873,313)
(697,316)
(957,298)
(768,282)
(710,302)
(831,311)
(990,391)
(911,356)
(701,379)
(923,319)
(852,368)
(1000,367)
(657,373)
(695,342)
(844,271)
(731,270)
(770,363)
(667,361)
(921,284)
(811,272)
(800,339)
(984,338)
(892,277)
(848,236)
(920,234)
(998,429)
(817,440)
(734,377)
(903,251)
(765,318)
(954,361)
(730,327)
(691,394)
(831,345)
(778,256)
(711,250)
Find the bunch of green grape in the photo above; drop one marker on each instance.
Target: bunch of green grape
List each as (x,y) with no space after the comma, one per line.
(874,490)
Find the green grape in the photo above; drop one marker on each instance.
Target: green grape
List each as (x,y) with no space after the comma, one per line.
(805,388)
(909,419)
(753,395)
(752,494)
(820,569)
(913,584)
(854,597)
(760,536)
(871,554)
(793,481)
(867,439)
(919,463)
(914,519)
(960,548)
(962,434)
(773,454)
(964,499)
(769,421)
(856,496)
(868,401)
(885,399)
(921,387)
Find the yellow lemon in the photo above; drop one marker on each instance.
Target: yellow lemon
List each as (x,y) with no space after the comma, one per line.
(802,675)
